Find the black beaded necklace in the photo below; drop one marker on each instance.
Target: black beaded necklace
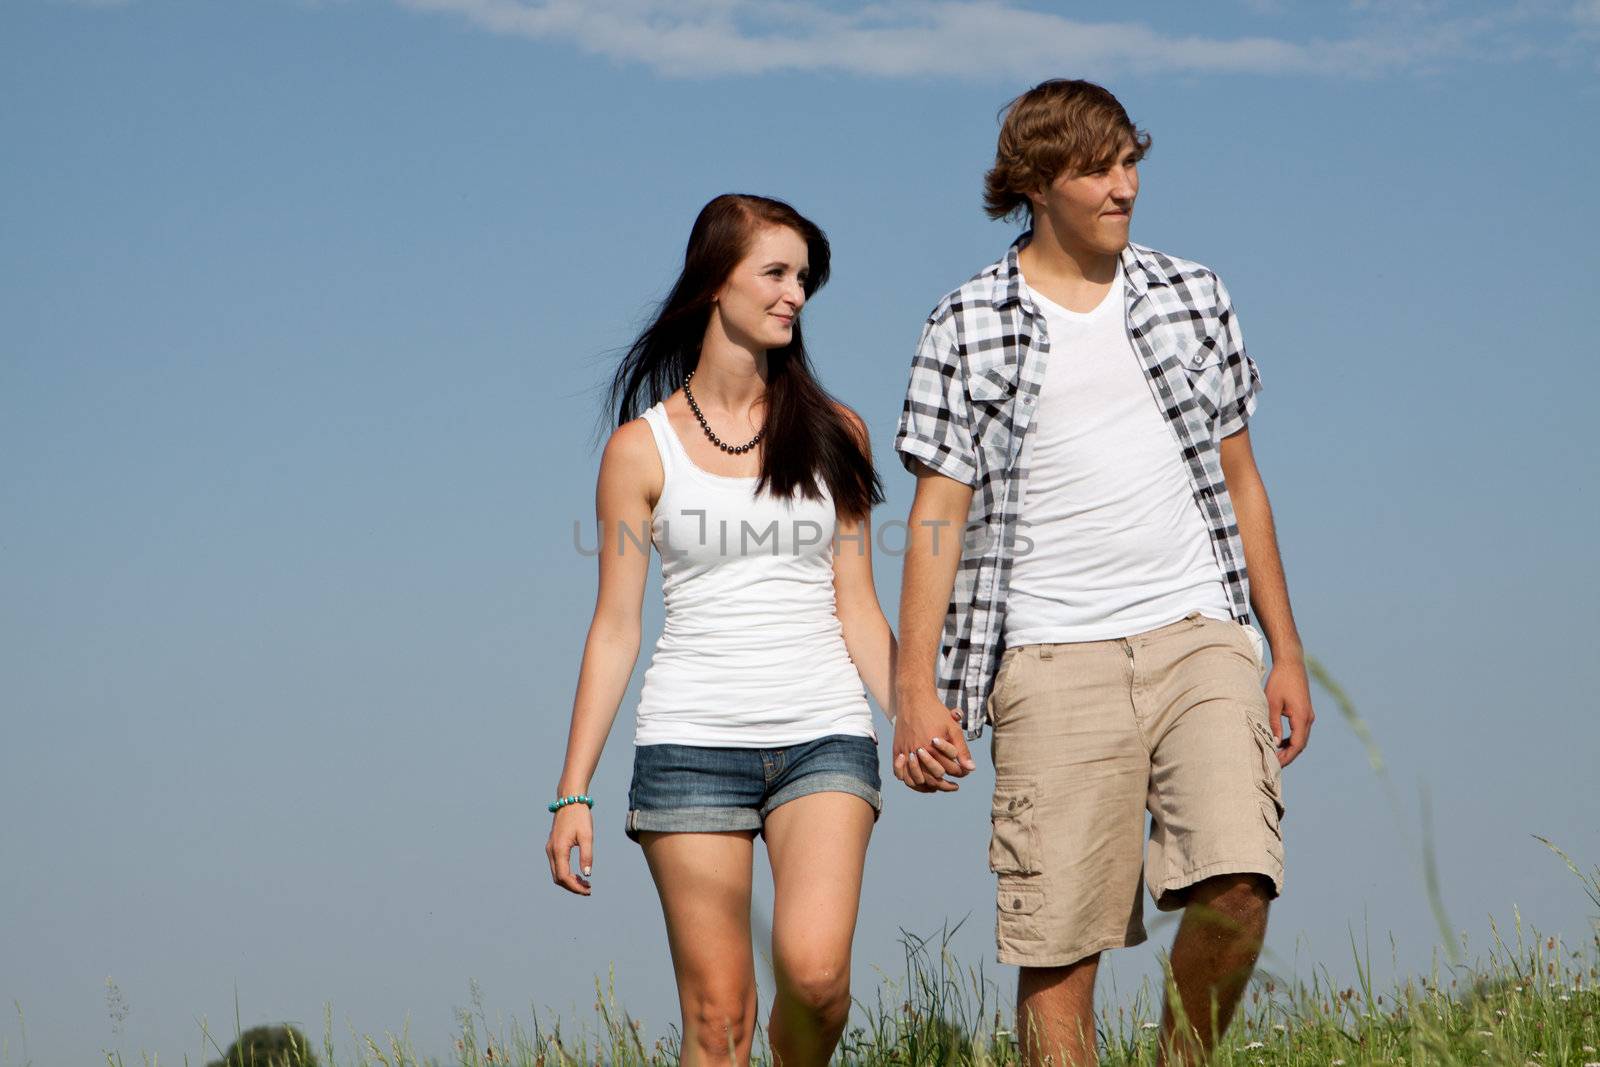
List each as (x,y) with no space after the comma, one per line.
(732,450)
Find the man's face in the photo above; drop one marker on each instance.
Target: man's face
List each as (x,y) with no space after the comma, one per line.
(1091,210)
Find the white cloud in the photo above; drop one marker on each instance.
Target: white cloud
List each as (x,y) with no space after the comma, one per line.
(964,38)
(967,38)
(982,39)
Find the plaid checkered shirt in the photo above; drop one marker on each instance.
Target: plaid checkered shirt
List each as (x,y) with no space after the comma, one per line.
(974,386)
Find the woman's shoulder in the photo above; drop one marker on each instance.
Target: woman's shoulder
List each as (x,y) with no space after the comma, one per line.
(857,424)
(631,441)
(630,453)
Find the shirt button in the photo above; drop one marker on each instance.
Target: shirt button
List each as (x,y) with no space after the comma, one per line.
(1016,904)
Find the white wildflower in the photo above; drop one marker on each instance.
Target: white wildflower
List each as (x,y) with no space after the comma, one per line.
(1256,1044)
(1500,1013)
(1485,1033)
(1336,1063)
(1565,998)
(1147,1026)
(1282,1029)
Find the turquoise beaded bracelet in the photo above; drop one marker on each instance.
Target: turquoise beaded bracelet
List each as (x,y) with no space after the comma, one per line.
(564,801)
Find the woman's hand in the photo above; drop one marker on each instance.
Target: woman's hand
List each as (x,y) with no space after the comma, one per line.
(573,827)
(930,748)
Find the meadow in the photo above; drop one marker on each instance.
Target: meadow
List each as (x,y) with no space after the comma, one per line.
(1533,1001)
(1530,1000)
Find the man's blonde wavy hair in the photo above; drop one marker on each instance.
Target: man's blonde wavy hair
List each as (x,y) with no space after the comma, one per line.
(1057,126)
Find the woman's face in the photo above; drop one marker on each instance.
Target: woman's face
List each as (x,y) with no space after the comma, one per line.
(761,300)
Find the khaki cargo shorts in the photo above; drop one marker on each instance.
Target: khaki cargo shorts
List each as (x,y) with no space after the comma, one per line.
(1088,736)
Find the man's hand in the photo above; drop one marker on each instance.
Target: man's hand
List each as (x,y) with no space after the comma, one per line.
(1289,697)
(929,745)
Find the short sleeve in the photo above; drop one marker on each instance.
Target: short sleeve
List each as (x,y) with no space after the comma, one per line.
(935,425)
(1241,379)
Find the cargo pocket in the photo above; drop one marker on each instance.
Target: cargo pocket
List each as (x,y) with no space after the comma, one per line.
(1270,784)
(1014,840)
(1016,908)
(1271,780)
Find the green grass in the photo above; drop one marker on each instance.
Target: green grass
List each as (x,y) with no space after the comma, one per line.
(1531,1001)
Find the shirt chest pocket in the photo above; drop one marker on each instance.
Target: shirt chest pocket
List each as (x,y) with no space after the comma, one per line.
(992,384)
(1206,372)
(992,391)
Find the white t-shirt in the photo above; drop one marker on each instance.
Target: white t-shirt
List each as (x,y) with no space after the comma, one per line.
(1119,544)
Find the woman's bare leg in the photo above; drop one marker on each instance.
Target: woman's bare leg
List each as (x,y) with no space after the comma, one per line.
(818,845)
(704,884)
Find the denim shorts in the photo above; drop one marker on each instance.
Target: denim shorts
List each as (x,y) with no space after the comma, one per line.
(691,789)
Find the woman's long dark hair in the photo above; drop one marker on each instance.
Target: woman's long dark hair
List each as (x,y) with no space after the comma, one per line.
(806,436)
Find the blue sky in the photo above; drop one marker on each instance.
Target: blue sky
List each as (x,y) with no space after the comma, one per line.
(303,307)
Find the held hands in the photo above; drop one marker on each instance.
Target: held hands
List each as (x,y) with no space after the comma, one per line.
(929,746)
(1289,697)
(573,827)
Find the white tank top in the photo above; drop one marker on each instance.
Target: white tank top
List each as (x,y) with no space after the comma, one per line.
(752,654)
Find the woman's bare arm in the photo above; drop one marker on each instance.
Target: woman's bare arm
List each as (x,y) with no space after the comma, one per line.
(867,635)
(630,479)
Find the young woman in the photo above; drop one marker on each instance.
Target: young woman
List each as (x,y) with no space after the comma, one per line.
(755,487)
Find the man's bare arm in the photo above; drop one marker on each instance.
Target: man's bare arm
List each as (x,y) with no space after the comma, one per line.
(1288,687)
(929,744)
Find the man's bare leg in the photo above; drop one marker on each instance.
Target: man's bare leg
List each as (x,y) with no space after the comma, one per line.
(1055,1014)
(1212,959)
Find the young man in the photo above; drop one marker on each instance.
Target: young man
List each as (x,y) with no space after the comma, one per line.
(1086,505)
